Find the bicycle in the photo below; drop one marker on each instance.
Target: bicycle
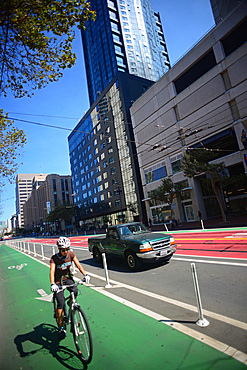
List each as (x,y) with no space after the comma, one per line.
(79,324)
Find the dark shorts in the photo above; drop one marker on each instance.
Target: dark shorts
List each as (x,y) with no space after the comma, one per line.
(60,296)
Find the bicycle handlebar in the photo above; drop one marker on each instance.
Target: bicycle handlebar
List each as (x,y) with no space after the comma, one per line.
(63,287)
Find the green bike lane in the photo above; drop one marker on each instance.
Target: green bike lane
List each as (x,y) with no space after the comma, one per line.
(122,337)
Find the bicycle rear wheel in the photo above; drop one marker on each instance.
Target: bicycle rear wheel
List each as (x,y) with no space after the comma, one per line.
(82,334)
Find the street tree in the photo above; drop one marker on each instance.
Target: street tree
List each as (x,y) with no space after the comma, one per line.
(63,212)
(36,41)
(11,141)
(197,161)
(167,192)
(35,47)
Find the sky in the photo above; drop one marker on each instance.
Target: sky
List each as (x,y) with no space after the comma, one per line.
(65,102)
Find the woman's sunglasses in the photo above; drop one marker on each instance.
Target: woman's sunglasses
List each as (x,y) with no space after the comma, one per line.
(64,250)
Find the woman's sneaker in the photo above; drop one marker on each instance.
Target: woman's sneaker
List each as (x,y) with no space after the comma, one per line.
(61,334)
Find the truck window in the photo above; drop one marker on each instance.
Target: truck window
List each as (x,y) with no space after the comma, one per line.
(113,234)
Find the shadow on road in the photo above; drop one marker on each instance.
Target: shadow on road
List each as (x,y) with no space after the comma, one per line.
(46,337)
(119,265)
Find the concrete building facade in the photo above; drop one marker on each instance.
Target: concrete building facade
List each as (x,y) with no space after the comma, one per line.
(200,102)
(24,186)
(53,190)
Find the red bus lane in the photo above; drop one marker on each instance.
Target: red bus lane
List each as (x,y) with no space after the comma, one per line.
(227,244)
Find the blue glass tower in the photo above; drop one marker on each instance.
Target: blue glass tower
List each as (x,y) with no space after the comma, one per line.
(127,36)
(125,53)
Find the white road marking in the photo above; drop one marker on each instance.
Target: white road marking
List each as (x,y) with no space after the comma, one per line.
(212,262)
(44,296)
(222,347)
(175,302)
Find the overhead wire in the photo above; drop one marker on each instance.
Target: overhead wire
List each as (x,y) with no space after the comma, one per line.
(133,141)
(138,144)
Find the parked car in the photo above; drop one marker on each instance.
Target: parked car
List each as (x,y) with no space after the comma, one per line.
(135,243)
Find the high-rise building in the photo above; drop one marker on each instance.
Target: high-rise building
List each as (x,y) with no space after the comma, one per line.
(125,53)
(127,36)
(105,172)
(24,184)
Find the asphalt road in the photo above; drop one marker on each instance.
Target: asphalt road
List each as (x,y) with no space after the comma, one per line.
(222,288)
(167,290)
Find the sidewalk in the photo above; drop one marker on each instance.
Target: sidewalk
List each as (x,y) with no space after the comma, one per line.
(123,338)
(233,221)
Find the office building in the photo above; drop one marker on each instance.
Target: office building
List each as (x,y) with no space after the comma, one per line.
(105,172)
(201,102)
(24,184)
(125,52)
(127,36)
(52,191)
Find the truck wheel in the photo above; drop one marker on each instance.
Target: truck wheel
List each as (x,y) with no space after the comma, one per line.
(132,261)
(97,255)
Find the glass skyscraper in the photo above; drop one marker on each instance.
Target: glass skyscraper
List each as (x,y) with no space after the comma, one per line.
(127,36)
(125,53)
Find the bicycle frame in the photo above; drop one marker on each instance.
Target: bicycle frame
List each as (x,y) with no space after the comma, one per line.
(79,326)
(66,314)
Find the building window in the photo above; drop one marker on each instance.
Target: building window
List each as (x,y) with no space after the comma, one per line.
(201,67)
(235,39)
(176,166)
(155,174)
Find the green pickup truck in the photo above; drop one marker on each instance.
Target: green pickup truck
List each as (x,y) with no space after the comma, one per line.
(133,242)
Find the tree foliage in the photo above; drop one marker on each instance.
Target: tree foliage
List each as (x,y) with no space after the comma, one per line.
(11,141)
(166,192)
(36,41)
(196,162)
(63,212)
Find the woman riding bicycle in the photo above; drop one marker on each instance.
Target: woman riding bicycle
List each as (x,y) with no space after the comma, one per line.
(60,274)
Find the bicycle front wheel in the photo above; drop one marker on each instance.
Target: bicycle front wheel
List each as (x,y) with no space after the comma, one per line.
(82,335)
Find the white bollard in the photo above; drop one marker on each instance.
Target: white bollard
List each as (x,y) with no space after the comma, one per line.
(108,285)
(73,265)
(34,250)
(201,321)
(53,250)
(166,227)
(42,252)
(28,248)
(202,224)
